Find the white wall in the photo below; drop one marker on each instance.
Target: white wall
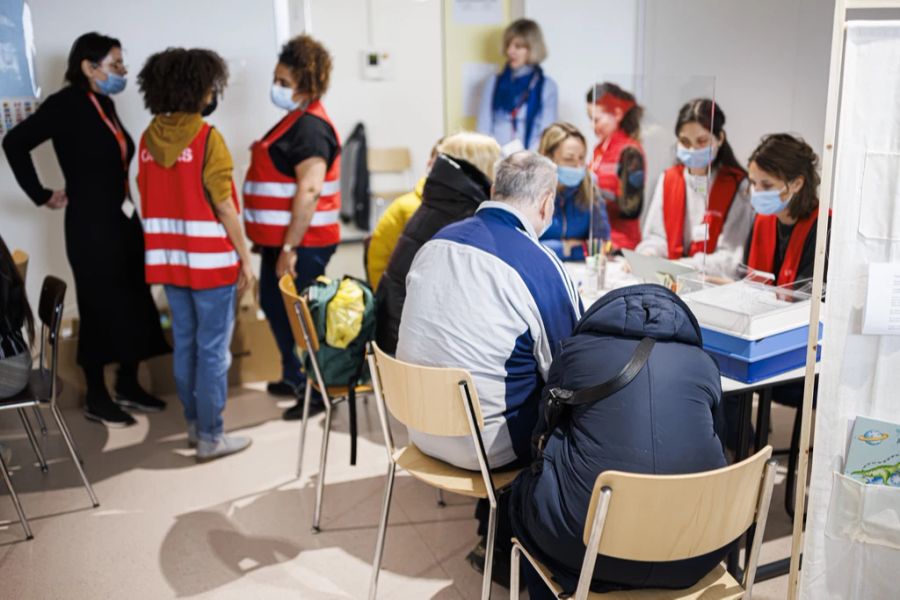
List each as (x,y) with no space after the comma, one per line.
(404,111)
(770,60)
(588,41)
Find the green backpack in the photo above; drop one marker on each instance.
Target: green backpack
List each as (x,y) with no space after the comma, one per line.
(343,334)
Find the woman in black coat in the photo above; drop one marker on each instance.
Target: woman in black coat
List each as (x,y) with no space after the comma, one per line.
(119,322)
(459,181)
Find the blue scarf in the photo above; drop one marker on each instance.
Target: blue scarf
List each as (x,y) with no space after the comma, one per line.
(511,93)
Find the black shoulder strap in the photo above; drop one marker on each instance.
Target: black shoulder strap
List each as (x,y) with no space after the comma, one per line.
(610,386)
(560,397)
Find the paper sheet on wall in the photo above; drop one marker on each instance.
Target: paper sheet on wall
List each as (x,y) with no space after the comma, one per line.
(478,12)
(18,84)
(882,311)
(475,76)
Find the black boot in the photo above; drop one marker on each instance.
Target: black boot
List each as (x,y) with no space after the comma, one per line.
(130,394)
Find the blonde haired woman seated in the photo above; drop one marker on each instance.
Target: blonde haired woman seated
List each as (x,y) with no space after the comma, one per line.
(459,181)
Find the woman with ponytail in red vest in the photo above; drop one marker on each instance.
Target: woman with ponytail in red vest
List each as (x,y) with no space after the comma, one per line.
(618,162)
(700,212)
(292,197)
(785,196)
(192,234)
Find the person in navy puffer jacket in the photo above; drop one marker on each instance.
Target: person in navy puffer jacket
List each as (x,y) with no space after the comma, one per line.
(666,421)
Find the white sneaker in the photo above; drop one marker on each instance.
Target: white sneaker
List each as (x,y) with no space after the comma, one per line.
(223,446)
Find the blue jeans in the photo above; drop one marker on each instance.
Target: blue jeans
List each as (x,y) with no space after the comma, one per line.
(311,263)
(202,323)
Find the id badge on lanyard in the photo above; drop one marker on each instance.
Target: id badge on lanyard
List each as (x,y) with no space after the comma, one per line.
(116,129)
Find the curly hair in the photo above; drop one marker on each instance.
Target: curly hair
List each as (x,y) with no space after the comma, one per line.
(310,64)
(788,157)
(178,79)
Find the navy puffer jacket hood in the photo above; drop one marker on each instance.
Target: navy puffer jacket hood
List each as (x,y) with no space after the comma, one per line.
(665,421)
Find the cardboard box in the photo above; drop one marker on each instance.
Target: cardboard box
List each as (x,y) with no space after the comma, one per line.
(255,357)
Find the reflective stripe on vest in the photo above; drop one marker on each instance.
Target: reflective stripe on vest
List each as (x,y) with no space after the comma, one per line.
(269,193)
(721,196)
(185,244)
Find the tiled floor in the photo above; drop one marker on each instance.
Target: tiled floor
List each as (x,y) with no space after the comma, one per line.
(240,527)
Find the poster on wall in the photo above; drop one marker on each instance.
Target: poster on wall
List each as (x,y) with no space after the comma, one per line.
(478,12)
(19,91)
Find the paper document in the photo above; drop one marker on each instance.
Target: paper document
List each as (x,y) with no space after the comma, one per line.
(478,12)
(881,315)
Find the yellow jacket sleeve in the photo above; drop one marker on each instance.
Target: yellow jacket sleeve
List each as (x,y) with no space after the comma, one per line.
(388,231)
(217,168)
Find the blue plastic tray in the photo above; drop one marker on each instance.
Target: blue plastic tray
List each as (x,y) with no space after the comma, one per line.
(723,343)
(740,369)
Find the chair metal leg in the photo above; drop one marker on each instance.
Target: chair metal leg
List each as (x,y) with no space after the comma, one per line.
(307,398)
(382,529)
(64,430)
(33,439)
(440,498)
(489,554)
(320,484)
(514,573)
(15,499)
(71,446)
(40,419)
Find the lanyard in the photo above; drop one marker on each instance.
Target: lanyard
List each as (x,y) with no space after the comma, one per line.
(522,100)
(120,138)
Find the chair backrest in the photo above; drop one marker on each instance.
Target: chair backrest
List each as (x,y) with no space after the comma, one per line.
(20,258)
(427,399)
(50,305)
(293,300)
(388,160)
(674,517)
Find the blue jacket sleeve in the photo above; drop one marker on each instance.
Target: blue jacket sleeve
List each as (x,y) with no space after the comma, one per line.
(485,119)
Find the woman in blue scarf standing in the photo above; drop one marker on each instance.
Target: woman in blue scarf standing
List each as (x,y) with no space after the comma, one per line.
(519,102)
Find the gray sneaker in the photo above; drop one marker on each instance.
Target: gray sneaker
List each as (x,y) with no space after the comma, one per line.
(223,446)
(192,435)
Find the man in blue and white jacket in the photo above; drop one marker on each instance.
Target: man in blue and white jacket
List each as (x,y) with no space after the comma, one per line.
(484,295)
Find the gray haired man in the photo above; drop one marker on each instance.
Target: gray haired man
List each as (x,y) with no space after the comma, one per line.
(486,296)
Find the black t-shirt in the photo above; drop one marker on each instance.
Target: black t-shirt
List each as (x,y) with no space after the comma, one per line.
(807,256)
(308,137)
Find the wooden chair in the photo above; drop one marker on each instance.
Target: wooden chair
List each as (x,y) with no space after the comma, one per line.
(307,340)
(391,161)
(20,258)
(440,402)
(43,389)
(671,517)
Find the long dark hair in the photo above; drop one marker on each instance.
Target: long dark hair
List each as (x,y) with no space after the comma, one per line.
(13,300)
(788,157)
(710,117)
(631,120)
(93,47)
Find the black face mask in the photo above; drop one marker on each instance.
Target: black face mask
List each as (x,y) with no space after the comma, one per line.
(209,108)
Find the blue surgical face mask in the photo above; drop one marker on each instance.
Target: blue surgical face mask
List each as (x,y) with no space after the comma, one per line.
(283,97)
(113,84)
(570,176)
(696,159)
(768,202)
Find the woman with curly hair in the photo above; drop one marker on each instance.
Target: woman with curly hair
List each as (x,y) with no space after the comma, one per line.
(195,245)
(292,195)
(119,322)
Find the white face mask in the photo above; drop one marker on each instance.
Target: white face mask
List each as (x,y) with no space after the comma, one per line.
(548,221)
(283,97)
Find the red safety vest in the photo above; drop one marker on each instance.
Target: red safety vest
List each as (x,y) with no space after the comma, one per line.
(185,244)
(724,188)
(269,193)
(764,240)
(626,233)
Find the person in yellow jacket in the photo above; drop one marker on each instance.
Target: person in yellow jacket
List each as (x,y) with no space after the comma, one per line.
(391,225)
